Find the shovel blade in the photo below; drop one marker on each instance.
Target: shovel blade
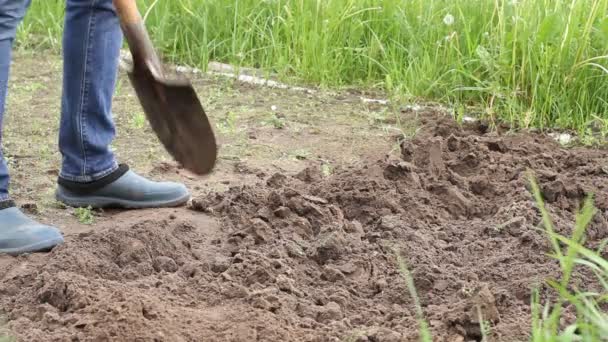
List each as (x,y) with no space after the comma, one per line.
(178,119)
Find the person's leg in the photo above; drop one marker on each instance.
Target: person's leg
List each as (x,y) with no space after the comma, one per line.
(5,62)
(91,45)
(90,175)
(11,14)
(18,233)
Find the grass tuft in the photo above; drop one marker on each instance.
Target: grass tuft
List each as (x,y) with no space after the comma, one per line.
(425,332)
(85,215)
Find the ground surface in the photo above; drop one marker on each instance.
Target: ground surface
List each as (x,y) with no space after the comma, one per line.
(295,235)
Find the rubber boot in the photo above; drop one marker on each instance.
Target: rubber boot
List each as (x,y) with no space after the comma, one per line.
(19,234)
(122,189)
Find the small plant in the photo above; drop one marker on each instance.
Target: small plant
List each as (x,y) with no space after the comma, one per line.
(425,332)
(119,87)
(228,124)
(30,87)
(484,326)
(327,170)
(138,120)
(460,114)
(486,331)
(276,121)
(85,215)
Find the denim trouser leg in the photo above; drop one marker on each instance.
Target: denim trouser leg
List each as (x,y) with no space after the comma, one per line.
(5,60)
(91,47)
(11,14)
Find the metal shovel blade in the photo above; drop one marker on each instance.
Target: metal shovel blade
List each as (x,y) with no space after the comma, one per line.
(178,119)
(171,106)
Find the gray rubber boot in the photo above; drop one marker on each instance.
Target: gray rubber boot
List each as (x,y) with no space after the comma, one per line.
(128,191)
(19,234)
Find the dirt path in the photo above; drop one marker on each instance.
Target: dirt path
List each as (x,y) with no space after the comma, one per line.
(296,236)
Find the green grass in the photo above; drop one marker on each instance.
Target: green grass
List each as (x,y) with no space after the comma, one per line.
(4,336)
(138,120)
(425,332)
(535,63)
(85,215)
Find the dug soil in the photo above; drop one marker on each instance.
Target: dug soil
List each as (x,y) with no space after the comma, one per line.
(321,251)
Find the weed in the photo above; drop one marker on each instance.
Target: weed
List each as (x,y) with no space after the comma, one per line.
(228,124)
(425,332)
(138,120)
(119,87)
(408,128)
(485,327)
(327,170)
(29,87)
(85,215)
(276,121)
(49,200)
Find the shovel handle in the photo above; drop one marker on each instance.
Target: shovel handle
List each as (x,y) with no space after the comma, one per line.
(145,58)
(127,11)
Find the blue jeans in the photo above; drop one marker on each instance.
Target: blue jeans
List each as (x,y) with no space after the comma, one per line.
(91,45)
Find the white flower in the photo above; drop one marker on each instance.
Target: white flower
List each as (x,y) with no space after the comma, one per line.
(273,108)
(448,19)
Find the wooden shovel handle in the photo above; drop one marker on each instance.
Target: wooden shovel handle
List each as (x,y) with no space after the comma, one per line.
(127,11)
(145,59)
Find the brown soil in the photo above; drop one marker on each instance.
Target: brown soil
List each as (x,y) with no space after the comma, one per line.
(311,254)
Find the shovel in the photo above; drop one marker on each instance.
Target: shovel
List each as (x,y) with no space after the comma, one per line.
(171,105)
